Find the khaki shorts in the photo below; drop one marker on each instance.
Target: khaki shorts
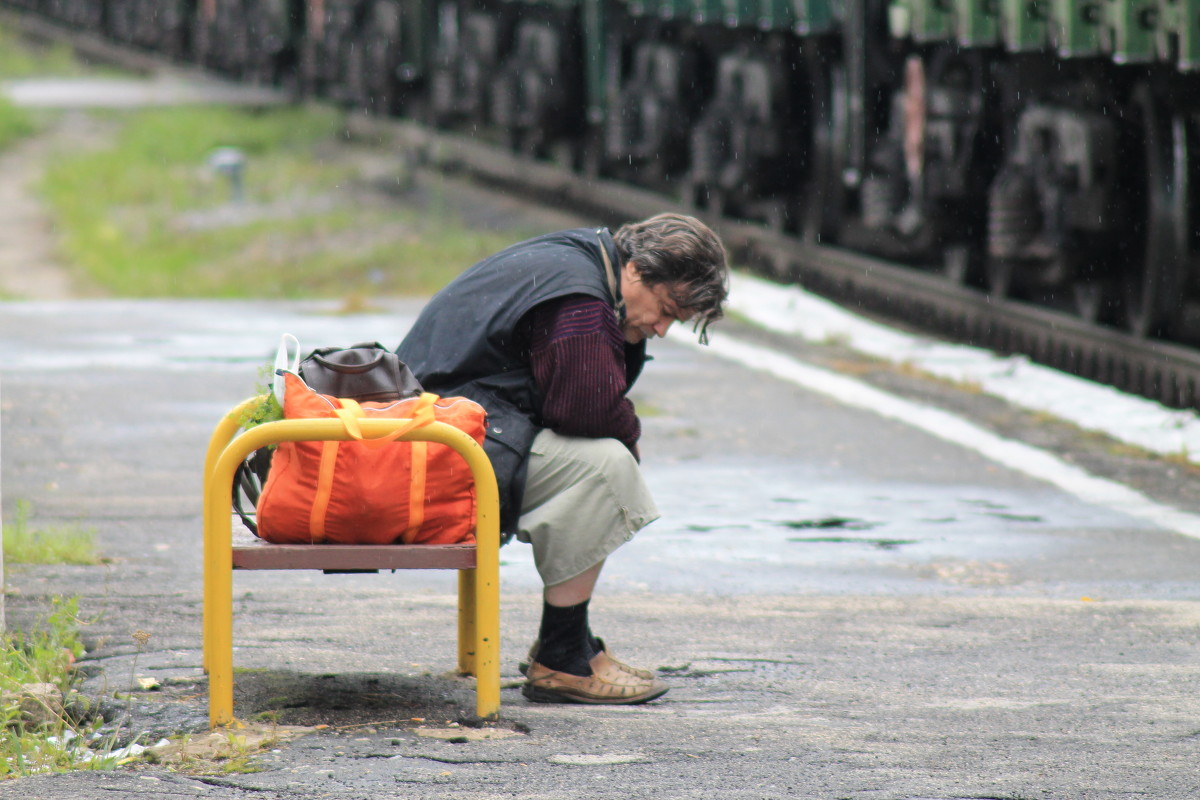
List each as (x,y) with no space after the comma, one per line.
(584,498)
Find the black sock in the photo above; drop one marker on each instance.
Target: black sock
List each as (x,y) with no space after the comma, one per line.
(565,639)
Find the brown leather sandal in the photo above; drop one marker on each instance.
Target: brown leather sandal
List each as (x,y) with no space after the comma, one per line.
(644,674)
(607,685)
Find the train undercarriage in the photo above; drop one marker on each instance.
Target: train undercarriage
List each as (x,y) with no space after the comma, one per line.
(1067,184)
(1067,179)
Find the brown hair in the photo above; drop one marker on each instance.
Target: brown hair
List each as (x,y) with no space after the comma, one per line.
(681,251)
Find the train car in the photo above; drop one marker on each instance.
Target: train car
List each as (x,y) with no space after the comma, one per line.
(514,69)
(1040,150)
(1083,120)
(251,40)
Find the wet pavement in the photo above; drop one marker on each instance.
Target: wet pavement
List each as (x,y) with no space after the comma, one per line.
(845,606)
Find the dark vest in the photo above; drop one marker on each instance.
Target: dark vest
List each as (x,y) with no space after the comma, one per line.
(467,342)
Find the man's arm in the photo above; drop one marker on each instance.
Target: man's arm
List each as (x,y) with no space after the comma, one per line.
(577,354)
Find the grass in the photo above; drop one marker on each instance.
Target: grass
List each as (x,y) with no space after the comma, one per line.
(15,123)
(144,217)
(20,58)
(45,655)
(61,544)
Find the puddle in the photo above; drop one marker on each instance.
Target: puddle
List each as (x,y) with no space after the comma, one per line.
(1015,517)
(882,544)
(982,503)
(842,523)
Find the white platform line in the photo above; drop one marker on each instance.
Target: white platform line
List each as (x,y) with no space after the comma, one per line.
(1014,455)
(1092,406)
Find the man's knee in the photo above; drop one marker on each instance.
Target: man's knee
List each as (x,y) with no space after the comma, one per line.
(560,463)
(609,457)
(583,499)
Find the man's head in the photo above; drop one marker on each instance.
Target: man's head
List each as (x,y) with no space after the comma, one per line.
(673,268)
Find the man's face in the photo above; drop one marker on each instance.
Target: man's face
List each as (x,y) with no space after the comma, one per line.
(649,310)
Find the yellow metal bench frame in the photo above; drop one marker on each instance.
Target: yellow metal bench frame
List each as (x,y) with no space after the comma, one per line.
(478,566)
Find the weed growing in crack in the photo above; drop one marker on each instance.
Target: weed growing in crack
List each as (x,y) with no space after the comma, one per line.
(45,723)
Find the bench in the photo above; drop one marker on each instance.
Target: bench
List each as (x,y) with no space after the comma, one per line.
(478,565)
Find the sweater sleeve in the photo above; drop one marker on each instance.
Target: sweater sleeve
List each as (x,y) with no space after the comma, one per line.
(577,354)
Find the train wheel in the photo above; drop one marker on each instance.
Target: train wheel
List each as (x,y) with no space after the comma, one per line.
(1153,288)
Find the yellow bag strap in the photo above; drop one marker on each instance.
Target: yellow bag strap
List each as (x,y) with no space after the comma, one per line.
(416,489)
(351,412)
(316,514)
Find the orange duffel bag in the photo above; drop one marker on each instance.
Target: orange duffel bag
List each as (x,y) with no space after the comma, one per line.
(370,492)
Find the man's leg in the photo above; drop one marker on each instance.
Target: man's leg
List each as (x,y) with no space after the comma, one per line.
(574,590)
(565,641)
(583,499)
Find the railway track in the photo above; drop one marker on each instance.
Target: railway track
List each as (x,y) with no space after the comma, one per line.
(1167,373)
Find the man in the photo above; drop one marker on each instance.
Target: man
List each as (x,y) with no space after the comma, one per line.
(548,336)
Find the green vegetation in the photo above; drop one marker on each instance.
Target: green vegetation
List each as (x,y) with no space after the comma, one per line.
(267,410)
(46,654)
(146,217)
(15,123)
(44,730)
(61,544)
(140,214)
(20,58)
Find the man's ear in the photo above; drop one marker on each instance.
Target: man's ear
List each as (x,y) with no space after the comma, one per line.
(631,272)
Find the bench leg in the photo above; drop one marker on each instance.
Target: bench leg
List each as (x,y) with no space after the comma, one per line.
(479,641)
(219,646)
(487,638)
(220,439)
(466,622)
(218,602)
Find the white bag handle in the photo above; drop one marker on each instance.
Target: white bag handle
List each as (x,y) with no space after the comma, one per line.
(287,359)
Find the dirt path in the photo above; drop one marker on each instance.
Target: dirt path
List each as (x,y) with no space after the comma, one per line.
(29,265)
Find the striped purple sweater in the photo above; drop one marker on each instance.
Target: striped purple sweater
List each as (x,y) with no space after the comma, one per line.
(577,353)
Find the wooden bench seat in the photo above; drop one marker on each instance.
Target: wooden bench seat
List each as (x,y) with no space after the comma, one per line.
(250,552)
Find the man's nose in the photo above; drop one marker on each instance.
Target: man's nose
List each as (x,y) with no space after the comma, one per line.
(660,327)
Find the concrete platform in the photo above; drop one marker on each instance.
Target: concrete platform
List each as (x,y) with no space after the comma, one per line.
(844,606)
